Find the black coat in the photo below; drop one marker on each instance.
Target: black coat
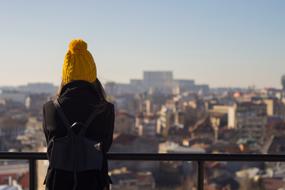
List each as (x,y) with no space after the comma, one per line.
(77,100)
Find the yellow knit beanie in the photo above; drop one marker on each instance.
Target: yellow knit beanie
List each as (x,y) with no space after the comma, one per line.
(78,63)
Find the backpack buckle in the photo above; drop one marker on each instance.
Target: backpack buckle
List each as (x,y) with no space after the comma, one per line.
(97,146)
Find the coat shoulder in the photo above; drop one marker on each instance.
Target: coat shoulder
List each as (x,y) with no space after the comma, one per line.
(110,105)
(48,105)
(110,108)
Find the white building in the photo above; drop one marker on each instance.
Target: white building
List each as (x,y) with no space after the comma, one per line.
(158,81)
(225,109)
(164,121)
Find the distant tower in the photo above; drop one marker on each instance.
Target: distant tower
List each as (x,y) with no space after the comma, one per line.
(283,82)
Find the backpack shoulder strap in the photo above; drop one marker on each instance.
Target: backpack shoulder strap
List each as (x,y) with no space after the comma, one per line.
(89,121)
(62,115)
(91,118)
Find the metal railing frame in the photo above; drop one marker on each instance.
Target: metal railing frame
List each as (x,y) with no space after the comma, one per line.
(32,157)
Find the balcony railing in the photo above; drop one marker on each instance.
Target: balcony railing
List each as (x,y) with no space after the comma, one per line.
(199,158)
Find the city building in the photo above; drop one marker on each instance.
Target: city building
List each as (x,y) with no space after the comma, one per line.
(250,120)
(128,180)
(165,119)
(275,107)
(146,125)
(125,123)
(38,88)
(35,102)
(32,137)
(10,129)
(117,89)
(224,115)
(14,176)
(13,95)
(171,147)
(185,85)
(156,82)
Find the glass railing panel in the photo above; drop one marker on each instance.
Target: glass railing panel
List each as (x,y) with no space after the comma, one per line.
(153,175)
(244,175)
(14,174)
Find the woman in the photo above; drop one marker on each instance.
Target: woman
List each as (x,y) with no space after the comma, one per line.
(80,94)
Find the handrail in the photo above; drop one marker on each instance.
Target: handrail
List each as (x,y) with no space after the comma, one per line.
(199,158)
(159,157)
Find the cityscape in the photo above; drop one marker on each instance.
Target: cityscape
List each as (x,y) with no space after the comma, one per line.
(162,114)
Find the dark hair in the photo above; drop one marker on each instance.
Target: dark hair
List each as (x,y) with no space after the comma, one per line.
(100,90)
(98,87)
(59,89)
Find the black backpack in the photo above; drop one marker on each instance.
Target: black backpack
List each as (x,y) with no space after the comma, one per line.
(74,152)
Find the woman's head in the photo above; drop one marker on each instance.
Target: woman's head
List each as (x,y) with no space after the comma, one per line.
(78,63)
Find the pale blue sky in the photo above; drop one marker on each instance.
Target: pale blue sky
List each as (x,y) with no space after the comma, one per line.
(219,42)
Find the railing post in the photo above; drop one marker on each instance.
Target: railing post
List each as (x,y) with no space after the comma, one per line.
(33,174)
(200,179)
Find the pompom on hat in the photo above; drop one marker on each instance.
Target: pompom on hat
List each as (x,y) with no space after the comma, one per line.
(78,63)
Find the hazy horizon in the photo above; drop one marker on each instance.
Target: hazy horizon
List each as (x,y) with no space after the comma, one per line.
(125,82)
(221,43)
